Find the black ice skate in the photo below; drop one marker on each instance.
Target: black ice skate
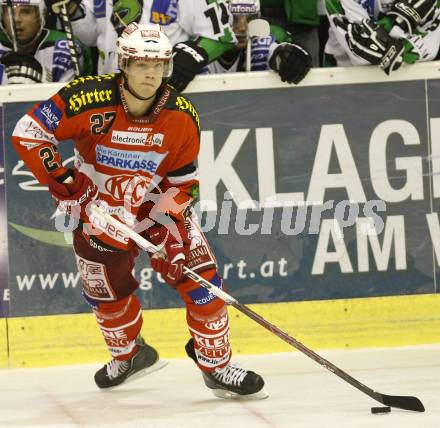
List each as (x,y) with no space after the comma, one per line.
(231,381)
(144,361)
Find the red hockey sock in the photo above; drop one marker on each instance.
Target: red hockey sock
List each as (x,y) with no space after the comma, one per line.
(120,323)
(208,322)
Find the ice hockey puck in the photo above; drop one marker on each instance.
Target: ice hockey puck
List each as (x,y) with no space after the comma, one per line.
(385,409)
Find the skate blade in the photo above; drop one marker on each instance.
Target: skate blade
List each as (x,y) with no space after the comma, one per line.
(158,365)
(229,395)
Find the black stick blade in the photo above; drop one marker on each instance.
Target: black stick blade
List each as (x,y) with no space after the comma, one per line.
(402,402)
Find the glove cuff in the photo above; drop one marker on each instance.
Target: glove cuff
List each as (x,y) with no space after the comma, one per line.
(190,47)
(62,178)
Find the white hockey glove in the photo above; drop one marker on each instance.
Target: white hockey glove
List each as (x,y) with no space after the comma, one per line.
(22,68)
(411,14)
(372,43)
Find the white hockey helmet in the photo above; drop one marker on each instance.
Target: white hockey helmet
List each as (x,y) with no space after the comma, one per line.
(145,41)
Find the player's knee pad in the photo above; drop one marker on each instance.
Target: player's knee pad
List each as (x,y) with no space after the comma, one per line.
(120,322)
(208,323)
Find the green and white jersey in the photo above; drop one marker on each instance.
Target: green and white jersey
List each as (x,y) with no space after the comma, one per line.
(52,52)
(261,50)
(206,20)
(423,46)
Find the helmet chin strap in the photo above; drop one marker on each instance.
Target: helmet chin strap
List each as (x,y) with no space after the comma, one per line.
(132,92)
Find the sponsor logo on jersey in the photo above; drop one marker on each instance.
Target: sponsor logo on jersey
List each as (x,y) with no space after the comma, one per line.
(61,58)
(99,8)
(214,360)
(217,325)
(127,186)
(98,247)
(129,161)
(95,281)
(369,6)
(184,104)
(258,42)
(86,79)
(209,343)
(243,8)
(139,129)
(163,12)
(78,101)
(157,140)
(33,130)
(48,114)
(201,296)
(129,138)
(137,138)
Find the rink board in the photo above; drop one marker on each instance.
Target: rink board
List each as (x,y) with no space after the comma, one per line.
(3,343)
(352,300)
(346,323)
(384,136)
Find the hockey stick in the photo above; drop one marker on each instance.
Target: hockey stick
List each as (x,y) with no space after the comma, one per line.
(401,402)
(61,8)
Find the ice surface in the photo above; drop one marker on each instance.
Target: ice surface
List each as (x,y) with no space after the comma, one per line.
(302,394)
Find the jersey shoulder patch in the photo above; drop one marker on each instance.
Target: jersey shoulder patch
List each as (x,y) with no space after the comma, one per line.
(89,92)
(164,12)
(181,103)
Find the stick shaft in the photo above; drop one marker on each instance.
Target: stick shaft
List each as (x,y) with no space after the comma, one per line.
(409,403)
(67,25)
(144,243)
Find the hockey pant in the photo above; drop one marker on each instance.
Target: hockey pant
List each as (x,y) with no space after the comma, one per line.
(108,286)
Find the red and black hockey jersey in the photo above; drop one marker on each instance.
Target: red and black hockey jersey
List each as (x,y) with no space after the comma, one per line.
(131,160)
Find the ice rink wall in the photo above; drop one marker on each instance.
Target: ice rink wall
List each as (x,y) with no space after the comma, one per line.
(357,146)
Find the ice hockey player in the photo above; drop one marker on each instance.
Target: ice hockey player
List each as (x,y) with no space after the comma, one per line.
(137,141)
(31,53)
(199,30)
(387,33)
(271,51)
